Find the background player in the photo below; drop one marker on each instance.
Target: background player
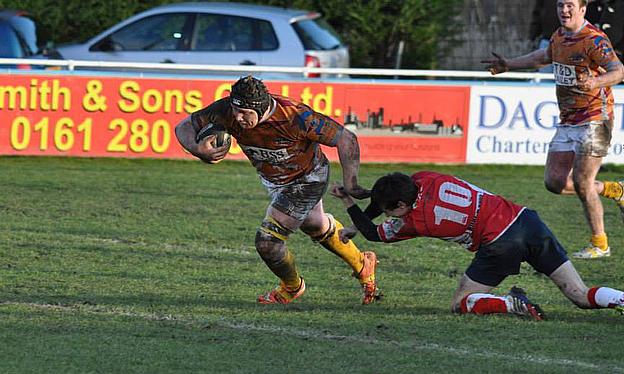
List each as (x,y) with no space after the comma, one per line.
(585,66)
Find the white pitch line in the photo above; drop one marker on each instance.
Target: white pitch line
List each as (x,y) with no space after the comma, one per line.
(423,346)
(320,336)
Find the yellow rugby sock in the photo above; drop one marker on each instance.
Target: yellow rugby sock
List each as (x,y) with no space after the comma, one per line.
(348,251)
(600,241)
(612,190)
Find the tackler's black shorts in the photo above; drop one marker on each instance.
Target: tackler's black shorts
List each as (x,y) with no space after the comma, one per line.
(527,239)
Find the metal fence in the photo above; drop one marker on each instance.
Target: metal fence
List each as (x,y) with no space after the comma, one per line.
(293,72)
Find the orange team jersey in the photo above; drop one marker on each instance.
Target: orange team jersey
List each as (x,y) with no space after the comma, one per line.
(286,145)
(575,56)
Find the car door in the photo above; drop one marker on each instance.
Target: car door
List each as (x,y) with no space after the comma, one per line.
(280,44)
(156,38)
(220,39)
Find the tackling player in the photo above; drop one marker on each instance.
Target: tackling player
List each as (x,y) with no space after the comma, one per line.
(282,140)
(585,66)
(502,235)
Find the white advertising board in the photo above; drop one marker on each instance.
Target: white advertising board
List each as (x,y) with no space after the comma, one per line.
(514,124)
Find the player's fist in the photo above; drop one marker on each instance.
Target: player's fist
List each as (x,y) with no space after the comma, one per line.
(337,190)
(208,153)
(585,82)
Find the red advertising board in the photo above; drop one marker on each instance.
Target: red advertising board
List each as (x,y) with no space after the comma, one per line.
(135,117)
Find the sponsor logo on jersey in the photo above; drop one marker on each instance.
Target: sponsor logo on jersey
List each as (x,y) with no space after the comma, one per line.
(565,75)
(272,156)
(392,227)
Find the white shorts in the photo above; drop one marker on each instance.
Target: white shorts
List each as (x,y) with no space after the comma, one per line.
(591,139)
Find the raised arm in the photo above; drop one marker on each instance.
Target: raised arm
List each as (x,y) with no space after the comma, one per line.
(535,59)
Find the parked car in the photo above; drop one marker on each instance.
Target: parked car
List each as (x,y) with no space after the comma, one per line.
(218,34)
(18,37)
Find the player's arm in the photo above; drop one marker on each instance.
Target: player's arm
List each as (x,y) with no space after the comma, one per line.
(535,59)
(612,74)
(324,130)
(372,211)
(349,155)
(186,132)
(363,223)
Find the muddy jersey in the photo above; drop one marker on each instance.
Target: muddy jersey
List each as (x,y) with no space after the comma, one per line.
(587,52)
(451,209)
(286,145)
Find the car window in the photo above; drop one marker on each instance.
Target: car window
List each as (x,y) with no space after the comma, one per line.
(10,46)
(268,40)
(215,32)
(27,33)
(163,32)
(316,34)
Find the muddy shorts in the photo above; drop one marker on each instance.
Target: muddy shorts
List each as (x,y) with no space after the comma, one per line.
(592,139)
(298,197)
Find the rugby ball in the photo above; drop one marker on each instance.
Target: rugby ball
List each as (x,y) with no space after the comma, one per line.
(222,137)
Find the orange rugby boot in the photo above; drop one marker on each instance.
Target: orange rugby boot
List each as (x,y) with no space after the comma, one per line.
(281,294)
(367,278)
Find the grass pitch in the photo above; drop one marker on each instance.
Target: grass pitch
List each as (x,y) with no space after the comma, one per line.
(147,266)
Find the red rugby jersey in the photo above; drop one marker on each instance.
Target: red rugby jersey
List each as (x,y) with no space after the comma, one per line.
(451,209)
(587,52)
(286,145)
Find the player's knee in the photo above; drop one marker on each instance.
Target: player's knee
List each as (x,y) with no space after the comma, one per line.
(583,192)
(321,236)
(269,247)
(554,186)
(270,239)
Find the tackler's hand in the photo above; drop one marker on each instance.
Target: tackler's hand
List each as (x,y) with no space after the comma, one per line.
(347,233)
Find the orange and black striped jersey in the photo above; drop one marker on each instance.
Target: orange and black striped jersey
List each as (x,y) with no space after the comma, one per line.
(574,56)
(286,145)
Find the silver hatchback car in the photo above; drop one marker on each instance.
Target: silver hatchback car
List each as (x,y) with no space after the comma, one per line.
(216,33)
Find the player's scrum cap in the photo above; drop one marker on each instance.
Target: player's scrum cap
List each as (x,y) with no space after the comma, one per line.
(250,93)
